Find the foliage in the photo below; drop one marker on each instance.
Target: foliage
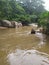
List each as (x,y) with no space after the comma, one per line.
(32,6)
(9,9)
(44,21)
(21,10)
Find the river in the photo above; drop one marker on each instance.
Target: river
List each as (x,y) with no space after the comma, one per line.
(19,47)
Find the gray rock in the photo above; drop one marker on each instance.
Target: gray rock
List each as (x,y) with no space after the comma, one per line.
(6,23)
(10,24)
(14,24)
(17,24)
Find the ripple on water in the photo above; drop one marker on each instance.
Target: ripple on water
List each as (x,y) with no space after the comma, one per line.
(28,57)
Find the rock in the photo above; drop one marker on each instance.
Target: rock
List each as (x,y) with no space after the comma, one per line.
(32,31)
(5,23)
(16,24)
(19,25)
(40,30)
(13,24)
(10,24)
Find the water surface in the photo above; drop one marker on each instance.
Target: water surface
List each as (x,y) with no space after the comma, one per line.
(19,47)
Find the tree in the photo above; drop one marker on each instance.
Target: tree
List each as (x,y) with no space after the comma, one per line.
(9,9)
(32,6)
(24,10)
(44,21)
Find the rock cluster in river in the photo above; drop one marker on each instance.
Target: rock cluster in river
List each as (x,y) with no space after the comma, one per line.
(9,24)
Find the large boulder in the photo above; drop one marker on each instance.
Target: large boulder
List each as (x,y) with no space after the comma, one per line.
(10,24)
(32,31)
(5,23)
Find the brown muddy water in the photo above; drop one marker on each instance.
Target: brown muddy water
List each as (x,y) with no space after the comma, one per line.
(19,47)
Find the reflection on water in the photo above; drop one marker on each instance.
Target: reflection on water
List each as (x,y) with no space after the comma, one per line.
(28,57)
(19,47)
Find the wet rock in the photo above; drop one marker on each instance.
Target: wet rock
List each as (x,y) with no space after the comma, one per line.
(32,31)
